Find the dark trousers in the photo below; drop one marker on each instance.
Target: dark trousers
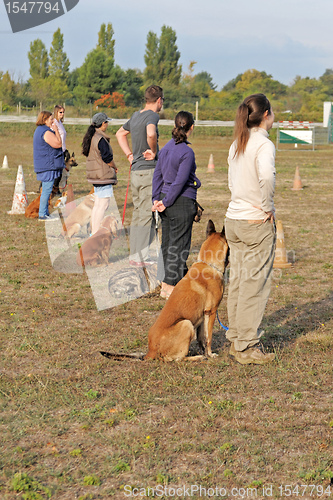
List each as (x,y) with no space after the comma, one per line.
(177,222)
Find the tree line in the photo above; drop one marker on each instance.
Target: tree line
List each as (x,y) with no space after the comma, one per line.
(104,84)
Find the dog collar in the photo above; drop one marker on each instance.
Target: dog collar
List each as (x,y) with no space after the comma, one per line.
(211,265)
(66,169)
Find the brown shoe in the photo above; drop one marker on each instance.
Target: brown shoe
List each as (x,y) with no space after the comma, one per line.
(253,355)
(232,350)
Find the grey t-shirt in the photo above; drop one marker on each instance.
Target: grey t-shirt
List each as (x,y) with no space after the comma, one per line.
(137,126)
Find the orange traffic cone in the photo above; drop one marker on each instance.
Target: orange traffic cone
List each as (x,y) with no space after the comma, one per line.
(70,202)
(5,162)
(297,181)
(281,259)
(20,199)
(211,167)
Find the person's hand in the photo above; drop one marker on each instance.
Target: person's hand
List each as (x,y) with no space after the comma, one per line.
(148,155)
(160,207)
(130,158)
(269,216)
(154,207)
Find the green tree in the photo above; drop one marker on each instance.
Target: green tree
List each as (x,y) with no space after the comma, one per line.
(8,89)
(38,59)
(254,81)
(306,97)
(105,39)
(150,57)
(196,86)
(58,70)
(327,80)
(58,60)
(98,75)
(231,85)
(162,57)
(131,87)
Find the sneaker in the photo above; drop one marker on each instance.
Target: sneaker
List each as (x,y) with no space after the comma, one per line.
(47,218)
(253,355)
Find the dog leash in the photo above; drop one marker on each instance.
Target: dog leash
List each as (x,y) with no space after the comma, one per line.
(218,319)
(125,202)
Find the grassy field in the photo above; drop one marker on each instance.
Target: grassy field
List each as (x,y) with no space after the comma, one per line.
(75,425)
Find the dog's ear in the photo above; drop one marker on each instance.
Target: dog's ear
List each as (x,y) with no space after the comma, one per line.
(66,155)
(73,154)
(210,228)
(223,232)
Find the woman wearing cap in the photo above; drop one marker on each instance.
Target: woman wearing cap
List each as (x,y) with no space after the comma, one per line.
(101,169)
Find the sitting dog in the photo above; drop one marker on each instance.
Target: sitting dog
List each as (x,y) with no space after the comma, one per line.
(80,216)
(191,309)
(95,250)
(70,162)
(32,210)
(61,182)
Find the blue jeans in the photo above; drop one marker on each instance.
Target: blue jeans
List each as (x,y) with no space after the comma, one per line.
(44,198)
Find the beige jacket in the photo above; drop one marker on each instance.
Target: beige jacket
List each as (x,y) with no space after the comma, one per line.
(252,178)
(99,172)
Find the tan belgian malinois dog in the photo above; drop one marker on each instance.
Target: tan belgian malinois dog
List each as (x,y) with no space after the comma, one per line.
(191,309)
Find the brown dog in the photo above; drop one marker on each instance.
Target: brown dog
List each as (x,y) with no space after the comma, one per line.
(32,210)
(80,216)
(192,305)
(191,309)
(95,250)
(70,162)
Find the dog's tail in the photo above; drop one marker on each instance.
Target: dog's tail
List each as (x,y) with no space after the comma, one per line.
(119,357)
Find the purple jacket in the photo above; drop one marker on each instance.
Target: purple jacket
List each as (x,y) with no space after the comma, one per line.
(175,173)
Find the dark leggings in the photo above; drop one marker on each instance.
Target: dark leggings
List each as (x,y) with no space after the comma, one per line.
(177,222)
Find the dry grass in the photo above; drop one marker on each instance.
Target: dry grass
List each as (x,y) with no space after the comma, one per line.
(75,425)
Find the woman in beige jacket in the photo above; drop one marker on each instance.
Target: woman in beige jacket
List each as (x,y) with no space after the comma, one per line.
(101,169)
(250,227)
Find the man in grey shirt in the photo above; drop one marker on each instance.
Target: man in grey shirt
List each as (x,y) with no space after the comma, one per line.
(144,134)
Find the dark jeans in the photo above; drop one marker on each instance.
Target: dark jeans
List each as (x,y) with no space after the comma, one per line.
(177,222)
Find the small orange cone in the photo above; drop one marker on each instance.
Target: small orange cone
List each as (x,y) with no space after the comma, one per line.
(5,162)
(297,181)
(70,202)
(211,167)
(20,199)
(281,259)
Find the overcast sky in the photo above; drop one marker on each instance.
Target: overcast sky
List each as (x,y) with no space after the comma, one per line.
(285,38)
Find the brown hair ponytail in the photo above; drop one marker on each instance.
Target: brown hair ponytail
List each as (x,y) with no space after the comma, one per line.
(183,122)
(249,114)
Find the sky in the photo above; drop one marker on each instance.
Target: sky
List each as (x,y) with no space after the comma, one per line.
(285,38)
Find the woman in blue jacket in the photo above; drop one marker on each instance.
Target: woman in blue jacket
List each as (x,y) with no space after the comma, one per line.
(48,159)
(175,188)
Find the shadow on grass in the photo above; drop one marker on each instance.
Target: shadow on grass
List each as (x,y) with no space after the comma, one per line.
(293,321)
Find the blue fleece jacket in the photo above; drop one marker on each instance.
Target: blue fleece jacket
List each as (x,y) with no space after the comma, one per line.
(46,159)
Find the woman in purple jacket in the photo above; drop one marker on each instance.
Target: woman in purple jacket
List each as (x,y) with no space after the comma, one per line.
(175,188)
